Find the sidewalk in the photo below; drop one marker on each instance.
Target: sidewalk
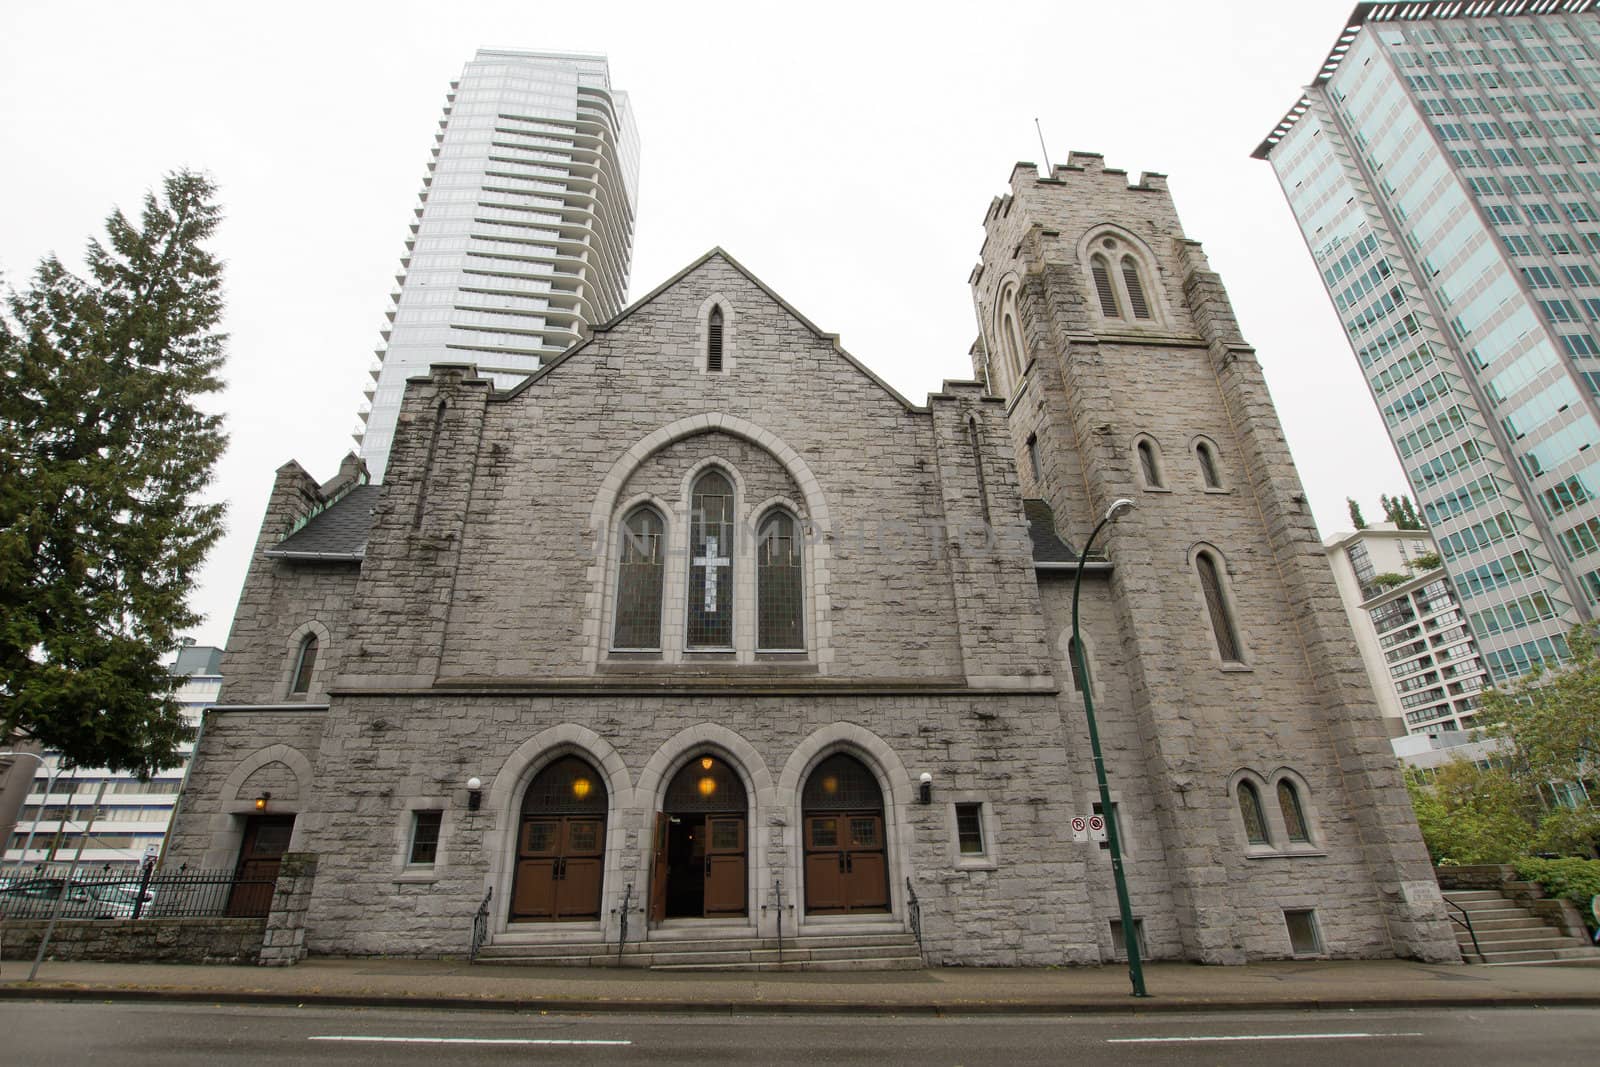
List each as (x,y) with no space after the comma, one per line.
(946,991)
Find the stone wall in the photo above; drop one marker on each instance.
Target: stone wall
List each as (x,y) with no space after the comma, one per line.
(137,941)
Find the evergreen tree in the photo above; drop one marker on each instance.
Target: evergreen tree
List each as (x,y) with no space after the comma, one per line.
(102,453)
(1355,513)
(1400,511)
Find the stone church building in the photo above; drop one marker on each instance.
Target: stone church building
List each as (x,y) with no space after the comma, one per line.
(706,628)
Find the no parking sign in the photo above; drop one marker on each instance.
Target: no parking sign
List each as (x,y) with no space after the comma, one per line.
(1080,828)
(1097,827)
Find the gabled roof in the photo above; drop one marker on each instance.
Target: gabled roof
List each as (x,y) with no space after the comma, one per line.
(337,533)
(717,252)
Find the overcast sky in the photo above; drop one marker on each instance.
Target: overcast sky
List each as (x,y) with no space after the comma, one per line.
(844,153)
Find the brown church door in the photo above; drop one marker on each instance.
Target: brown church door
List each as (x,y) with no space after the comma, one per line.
(266,839)
(658,870)
(846,861)
(560,863)
(725,866)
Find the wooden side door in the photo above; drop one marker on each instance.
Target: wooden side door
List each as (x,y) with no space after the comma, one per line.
(866,872)
(658,870)
(266,839)
(725,865)
(533,892)
(581,869)
(824,863)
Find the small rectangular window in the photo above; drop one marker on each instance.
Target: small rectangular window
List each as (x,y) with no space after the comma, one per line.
(969,829)
(1303,938)
(1119,943)
(424,836)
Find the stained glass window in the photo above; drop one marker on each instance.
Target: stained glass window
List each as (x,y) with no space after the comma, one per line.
(706,783)
(1294,817)
(569,786)
(711,562)
(841,783)
(305,666)
(780,600)
(1255,823)
(1216,604)
(641,566)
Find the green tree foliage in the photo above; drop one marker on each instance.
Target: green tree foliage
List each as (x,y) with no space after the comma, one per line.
(102,453)
(1355,513)
(1552,716)
(1469,814)
(1428,561)
(1400,511)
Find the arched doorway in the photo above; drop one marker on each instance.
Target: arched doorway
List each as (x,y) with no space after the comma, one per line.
(700,863)
(561,841)
(847,870)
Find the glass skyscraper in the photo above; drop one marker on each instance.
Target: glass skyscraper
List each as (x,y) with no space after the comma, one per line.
(524,233)
(1444,170)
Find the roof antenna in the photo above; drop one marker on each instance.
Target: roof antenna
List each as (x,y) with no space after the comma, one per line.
(1049,171)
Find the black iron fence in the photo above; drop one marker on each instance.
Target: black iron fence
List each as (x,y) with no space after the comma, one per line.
(88,893)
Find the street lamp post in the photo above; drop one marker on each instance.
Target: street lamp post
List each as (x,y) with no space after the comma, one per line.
(16,869)
(1130,933)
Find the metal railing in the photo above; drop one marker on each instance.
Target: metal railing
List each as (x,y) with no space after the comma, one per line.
(622,921)
(1465,920)
(480,925)
(914,913)
(133,893)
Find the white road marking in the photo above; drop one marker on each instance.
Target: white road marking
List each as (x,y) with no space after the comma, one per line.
(1250,1037)
(465,1040)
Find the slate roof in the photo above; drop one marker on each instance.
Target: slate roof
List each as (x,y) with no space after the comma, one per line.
(1048,547)
(338,532)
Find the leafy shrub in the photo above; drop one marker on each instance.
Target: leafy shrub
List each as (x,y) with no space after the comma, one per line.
(1576,879)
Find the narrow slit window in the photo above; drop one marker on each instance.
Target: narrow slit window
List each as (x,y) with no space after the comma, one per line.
(1103,288)
(305,665)
(1075,649)
(1217,606)
(1208,465)
(1255,820)
(1013,343)
(977,461)
(1130,278)
(714,341)
(641,568)
(1294,816)
(1148,466)
(780,600)
(711,562)
(1033,459)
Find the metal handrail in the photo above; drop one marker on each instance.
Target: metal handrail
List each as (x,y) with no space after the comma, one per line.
(914,913)
(480,925)
(1466,920)
(777,891)
(622,923)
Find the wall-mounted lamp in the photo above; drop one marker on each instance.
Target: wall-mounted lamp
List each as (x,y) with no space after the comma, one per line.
(925,788)
(474,793)
(261,801)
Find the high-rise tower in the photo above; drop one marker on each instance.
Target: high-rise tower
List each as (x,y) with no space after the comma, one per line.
(524,233)
(1443,169)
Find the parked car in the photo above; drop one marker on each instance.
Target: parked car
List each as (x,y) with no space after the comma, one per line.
(35,898)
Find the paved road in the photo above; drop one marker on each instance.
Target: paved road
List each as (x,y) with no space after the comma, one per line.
(169,1035)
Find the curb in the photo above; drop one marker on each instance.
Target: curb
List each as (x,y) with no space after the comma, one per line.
(1149,1006)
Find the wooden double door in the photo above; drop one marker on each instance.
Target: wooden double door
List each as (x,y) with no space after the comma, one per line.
(560,868)
(846,867)
(699,867)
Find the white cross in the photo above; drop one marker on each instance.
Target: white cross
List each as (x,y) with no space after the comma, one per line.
(710,561)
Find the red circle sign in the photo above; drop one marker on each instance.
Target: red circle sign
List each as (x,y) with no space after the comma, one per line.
(1077,824)
(1097,822)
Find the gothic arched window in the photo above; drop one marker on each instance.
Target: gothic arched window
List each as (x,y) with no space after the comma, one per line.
(1255,820)
(714,341)
(1149,464)
(711,562)
(641,567)
(1103,287)
(780,586)
(1208,465)
(1130,279)
(1294,816)
(1222,627)
(305,665)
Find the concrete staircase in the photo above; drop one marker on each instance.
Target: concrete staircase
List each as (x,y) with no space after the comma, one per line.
(842,952)
(1510,935)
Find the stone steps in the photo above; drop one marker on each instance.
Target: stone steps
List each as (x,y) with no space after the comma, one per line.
(1509,935)
(810,953)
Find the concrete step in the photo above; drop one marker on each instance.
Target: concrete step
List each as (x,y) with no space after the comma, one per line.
(1465,896)
(894,963)
(694,944)
(1541,955)
(1547,940)
(1517,922)
(1519,932)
